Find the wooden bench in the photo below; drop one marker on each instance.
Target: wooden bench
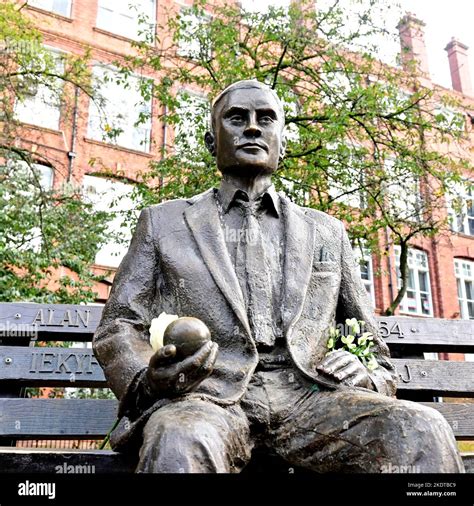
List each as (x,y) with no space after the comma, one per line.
(24,364)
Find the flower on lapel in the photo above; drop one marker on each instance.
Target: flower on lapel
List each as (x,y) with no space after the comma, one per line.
(158,327)
(354,341)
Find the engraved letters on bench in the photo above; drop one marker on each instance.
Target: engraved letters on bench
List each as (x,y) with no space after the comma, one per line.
(68,318)
(71,362)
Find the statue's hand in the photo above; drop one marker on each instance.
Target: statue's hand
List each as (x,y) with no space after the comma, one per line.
(345,368)
(166,377)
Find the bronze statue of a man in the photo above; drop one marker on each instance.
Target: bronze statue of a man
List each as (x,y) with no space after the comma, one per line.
(268,295)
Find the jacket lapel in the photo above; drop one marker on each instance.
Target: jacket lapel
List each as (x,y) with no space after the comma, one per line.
(205,225)
(297,269)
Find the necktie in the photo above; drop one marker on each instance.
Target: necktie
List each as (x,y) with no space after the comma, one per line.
(257,276)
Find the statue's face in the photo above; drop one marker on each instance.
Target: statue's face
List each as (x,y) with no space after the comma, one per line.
(248,132)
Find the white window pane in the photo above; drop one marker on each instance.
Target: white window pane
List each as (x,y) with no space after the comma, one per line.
(113,197)
(134,19)
(62,7)
(346,184)
(417,299)
(363,260)
(33,174)
(449,119)
(114,120)
(460,204)
(262,5)
(41,104)
(464,271)
(194,41)
(193,113)
(402,192)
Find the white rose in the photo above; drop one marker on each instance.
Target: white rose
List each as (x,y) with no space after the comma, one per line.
(158,327)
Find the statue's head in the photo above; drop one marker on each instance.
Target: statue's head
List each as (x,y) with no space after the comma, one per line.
(247,129)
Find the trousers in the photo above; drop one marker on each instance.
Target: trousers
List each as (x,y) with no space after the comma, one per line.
(346,430)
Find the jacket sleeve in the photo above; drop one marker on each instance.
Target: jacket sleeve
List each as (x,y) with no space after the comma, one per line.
(121,341)
(354,303)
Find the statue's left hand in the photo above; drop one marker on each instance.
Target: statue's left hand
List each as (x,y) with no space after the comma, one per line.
(345,368)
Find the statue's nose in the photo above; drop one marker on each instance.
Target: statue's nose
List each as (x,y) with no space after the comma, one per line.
(253,129)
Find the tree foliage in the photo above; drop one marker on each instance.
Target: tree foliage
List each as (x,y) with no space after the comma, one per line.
(366,141)
(48,235)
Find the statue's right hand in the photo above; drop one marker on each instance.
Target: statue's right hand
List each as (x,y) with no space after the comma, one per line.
(166,377)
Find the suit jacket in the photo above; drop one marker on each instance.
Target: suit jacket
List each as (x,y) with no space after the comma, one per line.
(178,263)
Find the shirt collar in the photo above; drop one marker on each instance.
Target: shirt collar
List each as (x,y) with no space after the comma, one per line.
(227,194)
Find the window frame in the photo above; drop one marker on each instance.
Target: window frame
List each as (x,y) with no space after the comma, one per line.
(204,99)
(465,192)
(43,8)
(461,286)
(363,254)
(33,97)
(187,52)
(114,21)
(94,114)
(353,196)
(404,308)
(413,211)
(102,192)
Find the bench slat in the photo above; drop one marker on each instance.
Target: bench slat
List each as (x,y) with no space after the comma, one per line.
(437,377)
(35,460)
(50,366)
(57,418)
(92,419)
(459,415)
(103,461)
(76,367)
(427,334)
(78,322)
(61,322)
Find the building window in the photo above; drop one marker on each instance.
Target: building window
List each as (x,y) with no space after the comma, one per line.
(292,109)
(461,207)
(417,300)
(113,197)
(134,19)
(464,270)
(449,119)
(364,264)
(124,117)
(39,103)
(346,179)
(251,6)
(34,172)
(194,117)
(193,38)
(402,189)
(62,7)
(40,179)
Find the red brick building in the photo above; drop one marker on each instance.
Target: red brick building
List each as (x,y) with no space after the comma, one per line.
(441,269)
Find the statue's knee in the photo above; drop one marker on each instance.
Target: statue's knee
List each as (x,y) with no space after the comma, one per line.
(420,422)
(167,430)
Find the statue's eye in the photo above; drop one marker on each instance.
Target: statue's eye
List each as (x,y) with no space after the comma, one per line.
(266,119)
(236,118)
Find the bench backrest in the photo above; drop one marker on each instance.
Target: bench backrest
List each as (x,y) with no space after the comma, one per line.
(24,326)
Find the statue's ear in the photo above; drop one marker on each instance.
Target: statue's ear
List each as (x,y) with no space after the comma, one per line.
(282,147)
(210,141)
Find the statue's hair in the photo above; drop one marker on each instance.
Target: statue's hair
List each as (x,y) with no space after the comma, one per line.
(242,85)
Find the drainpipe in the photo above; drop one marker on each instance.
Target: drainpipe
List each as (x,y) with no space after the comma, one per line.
(389,262)
(165,138)
(72,154)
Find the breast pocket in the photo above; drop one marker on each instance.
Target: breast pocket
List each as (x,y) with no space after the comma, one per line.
(326,267)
